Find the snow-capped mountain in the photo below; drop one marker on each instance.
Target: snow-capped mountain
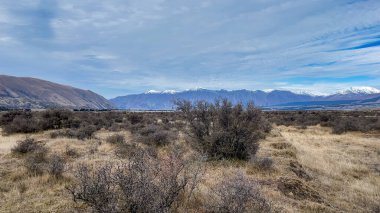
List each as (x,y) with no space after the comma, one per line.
(161,92)
(360,90)
(354,93)
(164,100)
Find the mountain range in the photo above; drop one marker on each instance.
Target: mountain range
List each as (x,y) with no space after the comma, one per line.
(275,99)
(32,93)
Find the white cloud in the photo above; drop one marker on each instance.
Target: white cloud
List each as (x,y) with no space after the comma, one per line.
(186,44)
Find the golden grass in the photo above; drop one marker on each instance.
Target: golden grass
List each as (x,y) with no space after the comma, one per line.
(343,165)
(343,170)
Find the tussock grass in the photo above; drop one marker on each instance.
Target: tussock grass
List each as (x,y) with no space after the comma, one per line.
(312,170)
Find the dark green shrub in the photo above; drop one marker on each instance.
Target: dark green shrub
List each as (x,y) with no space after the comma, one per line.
(224,131)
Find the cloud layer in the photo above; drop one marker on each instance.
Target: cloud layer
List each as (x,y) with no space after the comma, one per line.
(117,47)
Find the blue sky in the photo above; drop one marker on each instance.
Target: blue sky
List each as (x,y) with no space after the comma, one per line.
(119,47)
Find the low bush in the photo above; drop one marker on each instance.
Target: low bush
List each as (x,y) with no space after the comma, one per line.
(35,152)
(135,118)
(65,133)
(238,194)
(148,130)
(339,121)
(343,125)
(262,163)
(36,161)
(160,138)
(224,131)
(85,132)
(155,135)
(56,166)
(95,188)
(71,152)
(27,146)
(24,123)
(124,150)
(29,122)
(116,139)
(36,121)
(144,184)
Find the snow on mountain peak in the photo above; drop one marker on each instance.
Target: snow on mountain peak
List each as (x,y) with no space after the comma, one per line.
(161,92)
(360,90)
(309,92)
(351,90)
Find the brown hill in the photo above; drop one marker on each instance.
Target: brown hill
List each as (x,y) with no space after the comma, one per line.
(32,93)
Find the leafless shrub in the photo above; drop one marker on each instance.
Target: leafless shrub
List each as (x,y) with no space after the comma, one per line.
(115,127)
(135,118)
(71,152)
(35,152)
(85,132)
(93,148)
(155,135)
(68,133)
(56,165)
(238,194)
(161,138)
(339,121)
(116,139)
(148,130)
(36,161)
(26,146)
(144,184)
(54,134)
(124,150)
(28,122)
(263,163)
(22,123)
(79,121)
(95,188)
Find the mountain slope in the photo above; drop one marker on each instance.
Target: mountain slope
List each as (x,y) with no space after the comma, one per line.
(164,101)
(23,92)
(155,100)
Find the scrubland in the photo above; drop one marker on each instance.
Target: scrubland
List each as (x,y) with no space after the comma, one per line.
(60,161)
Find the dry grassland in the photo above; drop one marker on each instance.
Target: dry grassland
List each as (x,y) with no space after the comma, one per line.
(313,171)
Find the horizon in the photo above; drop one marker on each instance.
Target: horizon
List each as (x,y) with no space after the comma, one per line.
(301,92)
(116,48)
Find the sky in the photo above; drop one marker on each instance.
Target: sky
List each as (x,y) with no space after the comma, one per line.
(120,47)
